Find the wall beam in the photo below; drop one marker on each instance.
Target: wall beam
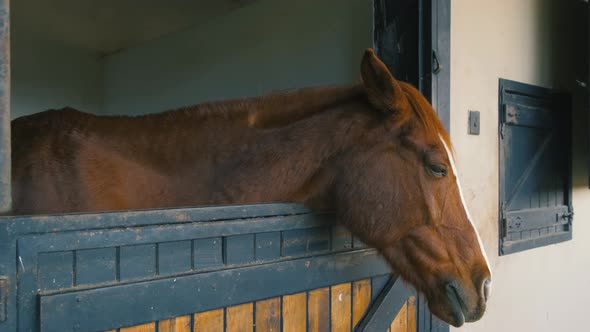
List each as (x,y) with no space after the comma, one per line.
(5,153)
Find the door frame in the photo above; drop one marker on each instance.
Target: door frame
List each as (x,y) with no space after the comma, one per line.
(413,38)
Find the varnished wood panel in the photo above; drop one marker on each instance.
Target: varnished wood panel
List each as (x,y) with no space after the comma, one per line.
(268,315)
(361,298)
(318,310)
(149,327)
(412,314)
(341,308)
(209,321)
(294,312)
(405,321)
(400,322)
(240,318)
(178,324)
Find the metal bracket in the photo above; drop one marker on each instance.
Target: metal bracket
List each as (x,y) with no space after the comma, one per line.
(436,67)
(3,298)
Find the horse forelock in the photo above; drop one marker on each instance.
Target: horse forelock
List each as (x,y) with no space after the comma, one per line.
(426,116)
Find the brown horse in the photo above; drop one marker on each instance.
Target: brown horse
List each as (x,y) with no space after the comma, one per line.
(374,153)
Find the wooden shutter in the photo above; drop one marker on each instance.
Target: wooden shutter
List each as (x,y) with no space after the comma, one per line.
(535,167)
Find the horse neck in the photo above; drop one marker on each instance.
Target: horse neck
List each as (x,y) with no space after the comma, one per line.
(288,163)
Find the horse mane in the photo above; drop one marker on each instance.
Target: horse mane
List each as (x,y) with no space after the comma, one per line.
(281,108)
(275,109)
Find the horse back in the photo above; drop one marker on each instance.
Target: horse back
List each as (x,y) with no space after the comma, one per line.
(62,161)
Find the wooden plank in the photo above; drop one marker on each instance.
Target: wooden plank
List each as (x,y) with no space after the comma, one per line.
(341,308)
(268,315)
(412,314)
(239,249)
(137,261)
(240,318)
(177,324)
(304,241)
(149,327)
(361,298)
(318,310)
(208,253)
(55,270)
(232,219)
(209,321)
(341,238)
(95,266)
(174,257)
(400,322)
(294,312)
(268,246)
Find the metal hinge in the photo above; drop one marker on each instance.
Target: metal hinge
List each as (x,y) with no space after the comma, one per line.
(3,298)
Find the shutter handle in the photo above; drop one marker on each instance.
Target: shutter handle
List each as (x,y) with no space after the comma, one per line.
(566,215)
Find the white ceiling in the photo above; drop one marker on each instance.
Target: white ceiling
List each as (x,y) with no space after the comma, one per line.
(107,26)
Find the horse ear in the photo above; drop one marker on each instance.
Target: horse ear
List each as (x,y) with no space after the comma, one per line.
(383,90)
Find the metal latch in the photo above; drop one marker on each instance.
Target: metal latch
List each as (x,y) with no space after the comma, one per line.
(3,298)
(566,215)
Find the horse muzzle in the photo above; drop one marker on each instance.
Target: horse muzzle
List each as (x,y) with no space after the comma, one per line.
(464,309)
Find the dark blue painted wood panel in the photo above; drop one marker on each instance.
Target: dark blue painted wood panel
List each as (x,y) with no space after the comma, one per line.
(56,270)
(95,266)
(302,241)
(137,261)
(268,246)
(175,257)
(239,249)
(341,238)
(208,253)
(535,166)
(176,296)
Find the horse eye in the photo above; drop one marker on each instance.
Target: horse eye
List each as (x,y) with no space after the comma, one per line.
(438,170)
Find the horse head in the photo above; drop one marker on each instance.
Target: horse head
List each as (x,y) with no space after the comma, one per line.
(398,190)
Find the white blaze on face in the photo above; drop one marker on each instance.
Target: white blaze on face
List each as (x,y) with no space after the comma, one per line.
(452,161)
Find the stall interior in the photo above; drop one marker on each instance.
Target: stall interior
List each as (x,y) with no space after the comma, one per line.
(137,57)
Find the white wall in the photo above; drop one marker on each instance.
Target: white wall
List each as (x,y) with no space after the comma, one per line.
(47,74)
(268,45)
(543,289)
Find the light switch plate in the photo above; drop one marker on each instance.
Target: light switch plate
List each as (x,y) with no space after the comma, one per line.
(474,123)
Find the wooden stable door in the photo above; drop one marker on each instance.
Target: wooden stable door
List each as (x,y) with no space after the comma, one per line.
(338,308)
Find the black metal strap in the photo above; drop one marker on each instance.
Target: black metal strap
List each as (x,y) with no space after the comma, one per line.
(386,306)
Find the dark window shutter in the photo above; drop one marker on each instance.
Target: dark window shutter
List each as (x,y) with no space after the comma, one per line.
(535,167)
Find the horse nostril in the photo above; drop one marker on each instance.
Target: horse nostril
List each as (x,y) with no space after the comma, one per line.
(487,289)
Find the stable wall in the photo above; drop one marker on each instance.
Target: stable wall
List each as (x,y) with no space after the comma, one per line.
(543,289)
(267,45)
(49,74)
